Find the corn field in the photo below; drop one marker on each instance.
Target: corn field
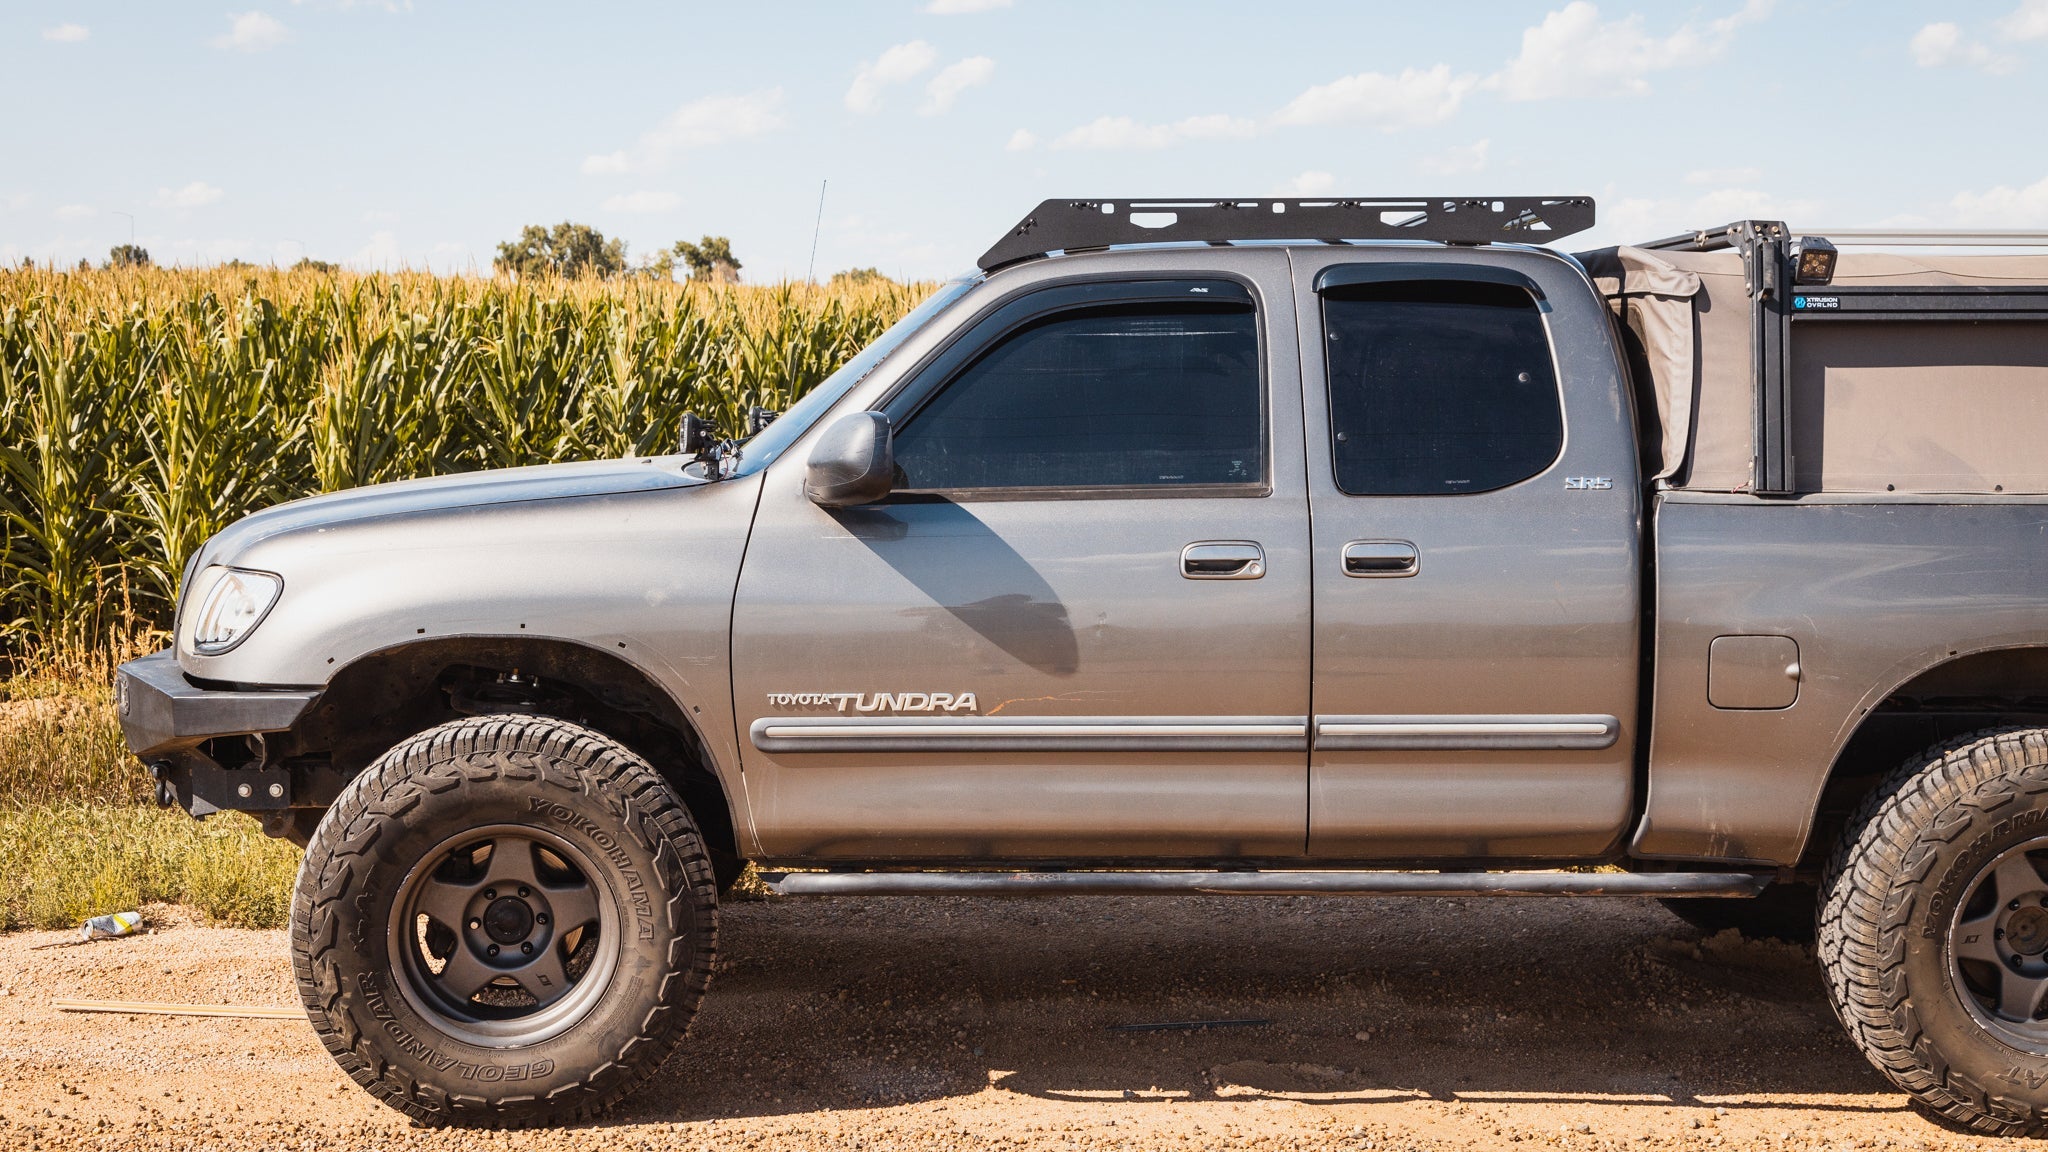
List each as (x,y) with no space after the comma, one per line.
(143,410)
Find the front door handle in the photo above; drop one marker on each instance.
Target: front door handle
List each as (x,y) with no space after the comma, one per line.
(1370,558)
(1223,560)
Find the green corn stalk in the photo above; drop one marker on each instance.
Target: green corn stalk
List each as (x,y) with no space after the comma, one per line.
(142,410)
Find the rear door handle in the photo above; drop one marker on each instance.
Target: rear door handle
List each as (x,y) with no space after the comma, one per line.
(1223,560)
(1381,558)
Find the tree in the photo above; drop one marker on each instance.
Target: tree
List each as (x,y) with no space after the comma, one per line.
(857,277)
(308,264)
(709,259)
(569,250)
(128,256)
(660,266)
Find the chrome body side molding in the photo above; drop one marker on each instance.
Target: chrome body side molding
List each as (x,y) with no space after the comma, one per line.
(1175,733)
(1465,732)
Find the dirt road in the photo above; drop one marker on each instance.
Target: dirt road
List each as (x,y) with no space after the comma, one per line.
(954,1023)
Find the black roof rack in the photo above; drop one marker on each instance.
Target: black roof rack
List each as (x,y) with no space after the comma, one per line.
(1072,225)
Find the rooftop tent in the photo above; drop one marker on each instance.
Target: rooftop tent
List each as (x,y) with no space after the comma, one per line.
(1901,403)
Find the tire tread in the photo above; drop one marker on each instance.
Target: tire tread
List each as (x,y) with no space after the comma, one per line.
(536,750)
(1873,884)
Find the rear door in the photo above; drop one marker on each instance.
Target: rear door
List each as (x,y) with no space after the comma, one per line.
(1472,483)
(1080,628)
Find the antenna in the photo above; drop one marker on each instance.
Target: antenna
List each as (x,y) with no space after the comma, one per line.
(811,273)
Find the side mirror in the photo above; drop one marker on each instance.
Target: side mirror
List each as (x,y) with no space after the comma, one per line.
(852,463)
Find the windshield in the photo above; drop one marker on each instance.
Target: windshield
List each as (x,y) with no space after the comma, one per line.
(759,451)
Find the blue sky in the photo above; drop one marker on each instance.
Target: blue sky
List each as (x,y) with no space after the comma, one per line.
(423,133)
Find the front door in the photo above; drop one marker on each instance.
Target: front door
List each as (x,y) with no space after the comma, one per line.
(1473,486)
(1079,629)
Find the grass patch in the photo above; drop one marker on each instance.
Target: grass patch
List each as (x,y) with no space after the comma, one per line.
(62,862)
(78,834)
(60,740)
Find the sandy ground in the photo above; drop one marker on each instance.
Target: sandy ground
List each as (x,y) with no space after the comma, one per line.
(954,1023)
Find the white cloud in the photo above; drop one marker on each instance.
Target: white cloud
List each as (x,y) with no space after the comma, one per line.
(197,194)
(2029,21)
(641,202)
(1725,176)
(2001,207)
(1310,183)
(964,7)
(1022,140)
(381,252)
(899,64)
(1119,133)
(74,212)
(1630,221)
(1414,99)
(1943,45)
(952,80)
(1574,53)
(698,124)
(854,241)
(67,33)
(252,32)
(448,256)
(1459,161)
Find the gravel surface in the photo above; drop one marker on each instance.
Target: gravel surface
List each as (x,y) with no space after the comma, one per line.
(891,1023)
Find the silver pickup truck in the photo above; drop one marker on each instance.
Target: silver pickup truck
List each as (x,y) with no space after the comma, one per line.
(1238,547)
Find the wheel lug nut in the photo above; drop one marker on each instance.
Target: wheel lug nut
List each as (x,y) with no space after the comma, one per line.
(527,948)
(490,893)
(523,891)
(475,925)
(540,918)
(492,950)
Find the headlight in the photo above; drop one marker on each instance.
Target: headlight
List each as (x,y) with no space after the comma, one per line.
(234,604)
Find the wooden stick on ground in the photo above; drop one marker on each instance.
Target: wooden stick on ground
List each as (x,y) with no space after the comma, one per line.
(158,1008)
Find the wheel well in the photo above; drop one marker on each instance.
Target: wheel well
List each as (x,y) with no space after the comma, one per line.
(386,696)
(1958,696)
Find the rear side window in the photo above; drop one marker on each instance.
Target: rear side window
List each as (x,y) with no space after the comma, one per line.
(1136,395)
(1438,387)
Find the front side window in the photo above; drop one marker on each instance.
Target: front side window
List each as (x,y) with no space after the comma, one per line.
(1438,387)
(1142,394)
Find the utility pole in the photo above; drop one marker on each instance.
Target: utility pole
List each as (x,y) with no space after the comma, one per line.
(811,273)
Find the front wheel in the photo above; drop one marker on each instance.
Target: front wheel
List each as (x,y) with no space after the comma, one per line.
(1934,930)
(506,920)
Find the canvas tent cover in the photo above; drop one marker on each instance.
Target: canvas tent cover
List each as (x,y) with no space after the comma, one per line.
(1939,406)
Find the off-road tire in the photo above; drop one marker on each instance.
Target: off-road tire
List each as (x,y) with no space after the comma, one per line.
(1889,898)
(1780,912)
(570,782)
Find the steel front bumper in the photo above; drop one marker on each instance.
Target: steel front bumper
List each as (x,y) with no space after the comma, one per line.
(168,720)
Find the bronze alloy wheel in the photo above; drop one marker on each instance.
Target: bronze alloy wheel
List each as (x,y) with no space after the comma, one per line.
(507,936)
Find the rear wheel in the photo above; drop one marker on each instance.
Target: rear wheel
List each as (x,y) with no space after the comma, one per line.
(506,920)
(1934,931)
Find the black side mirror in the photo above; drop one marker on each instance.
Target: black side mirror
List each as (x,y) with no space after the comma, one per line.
(852,463)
